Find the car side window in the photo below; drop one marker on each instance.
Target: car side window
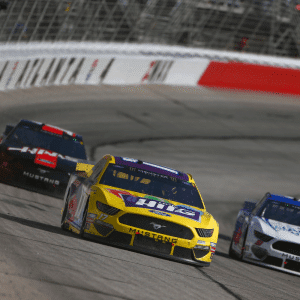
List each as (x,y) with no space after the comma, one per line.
(97,170)
(258,206)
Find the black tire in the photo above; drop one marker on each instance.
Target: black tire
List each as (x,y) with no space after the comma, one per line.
(63,225)
(231,252)
(84,219)
(244,242)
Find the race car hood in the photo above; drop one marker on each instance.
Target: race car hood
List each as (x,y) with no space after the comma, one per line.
(280,230)
(43,158)
(154,206)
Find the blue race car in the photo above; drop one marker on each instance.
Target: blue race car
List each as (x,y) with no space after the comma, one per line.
(268,233)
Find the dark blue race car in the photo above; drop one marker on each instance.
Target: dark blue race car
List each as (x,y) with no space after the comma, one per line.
(39,157)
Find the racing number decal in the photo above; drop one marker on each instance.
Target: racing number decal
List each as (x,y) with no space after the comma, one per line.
(103,217)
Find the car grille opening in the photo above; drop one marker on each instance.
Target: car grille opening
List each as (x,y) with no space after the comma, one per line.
(287,247)
(292,265)
(183,252)
(205,232)
(107,209)
(157,225)
(151,244)
(274,261)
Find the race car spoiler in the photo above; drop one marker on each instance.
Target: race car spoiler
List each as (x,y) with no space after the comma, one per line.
(83,167)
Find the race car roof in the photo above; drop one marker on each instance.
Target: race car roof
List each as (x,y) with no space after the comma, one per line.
(150,167)
(48,128)
(284,199)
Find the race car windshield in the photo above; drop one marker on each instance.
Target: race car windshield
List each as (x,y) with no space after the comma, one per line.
(282,212)
(65,145)
(154,184)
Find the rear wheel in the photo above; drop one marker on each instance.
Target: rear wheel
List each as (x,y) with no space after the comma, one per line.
(84,219)
(244,243)
(63,225)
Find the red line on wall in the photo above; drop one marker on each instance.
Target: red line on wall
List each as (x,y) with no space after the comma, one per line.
(243,76)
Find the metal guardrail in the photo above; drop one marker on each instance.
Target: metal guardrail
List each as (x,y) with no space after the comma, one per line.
(250,26)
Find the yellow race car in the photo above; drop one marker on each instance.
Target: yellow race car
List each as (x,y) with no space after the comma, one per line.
(142,206)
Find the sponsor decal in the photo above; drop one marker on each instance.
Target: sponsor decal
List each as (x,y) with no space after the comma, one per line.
(155,236)
(41,178)
(45,158)
(237,236)
(157,72)
(156,226)
(190,208)
(201,242)
(90,218)
(40,151)
(72,208)
(146,76)
(156,198)
(213,248)
(157,205)
(290,256)
(151,165)
(92,69)
(118,193)
(277,226)
(157,212)
(131,201)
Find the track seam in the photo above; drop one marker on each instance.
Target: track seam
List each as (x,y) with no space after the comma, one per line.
(221,285)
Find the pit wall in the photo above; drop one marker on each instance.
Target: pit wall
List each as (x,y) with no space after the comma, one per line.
(44,64)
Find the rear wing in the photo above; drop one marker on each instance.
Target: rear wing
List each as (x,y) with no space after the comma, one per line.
(83,168)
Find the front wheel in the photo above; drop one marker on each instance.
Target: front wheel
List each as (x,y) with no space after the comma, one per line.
(231,252)
(63,224)
(244,243)
(84,219)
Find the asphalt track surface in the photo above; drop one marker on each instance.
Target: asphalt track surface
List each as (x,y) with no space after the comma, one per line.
(236,145)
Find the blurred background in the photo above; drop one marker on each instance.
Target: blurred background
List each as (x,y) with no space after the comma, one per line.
(255,26)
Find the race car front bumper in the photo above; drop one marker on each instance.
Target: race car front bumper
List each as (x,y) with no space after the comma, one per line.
(276,254)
